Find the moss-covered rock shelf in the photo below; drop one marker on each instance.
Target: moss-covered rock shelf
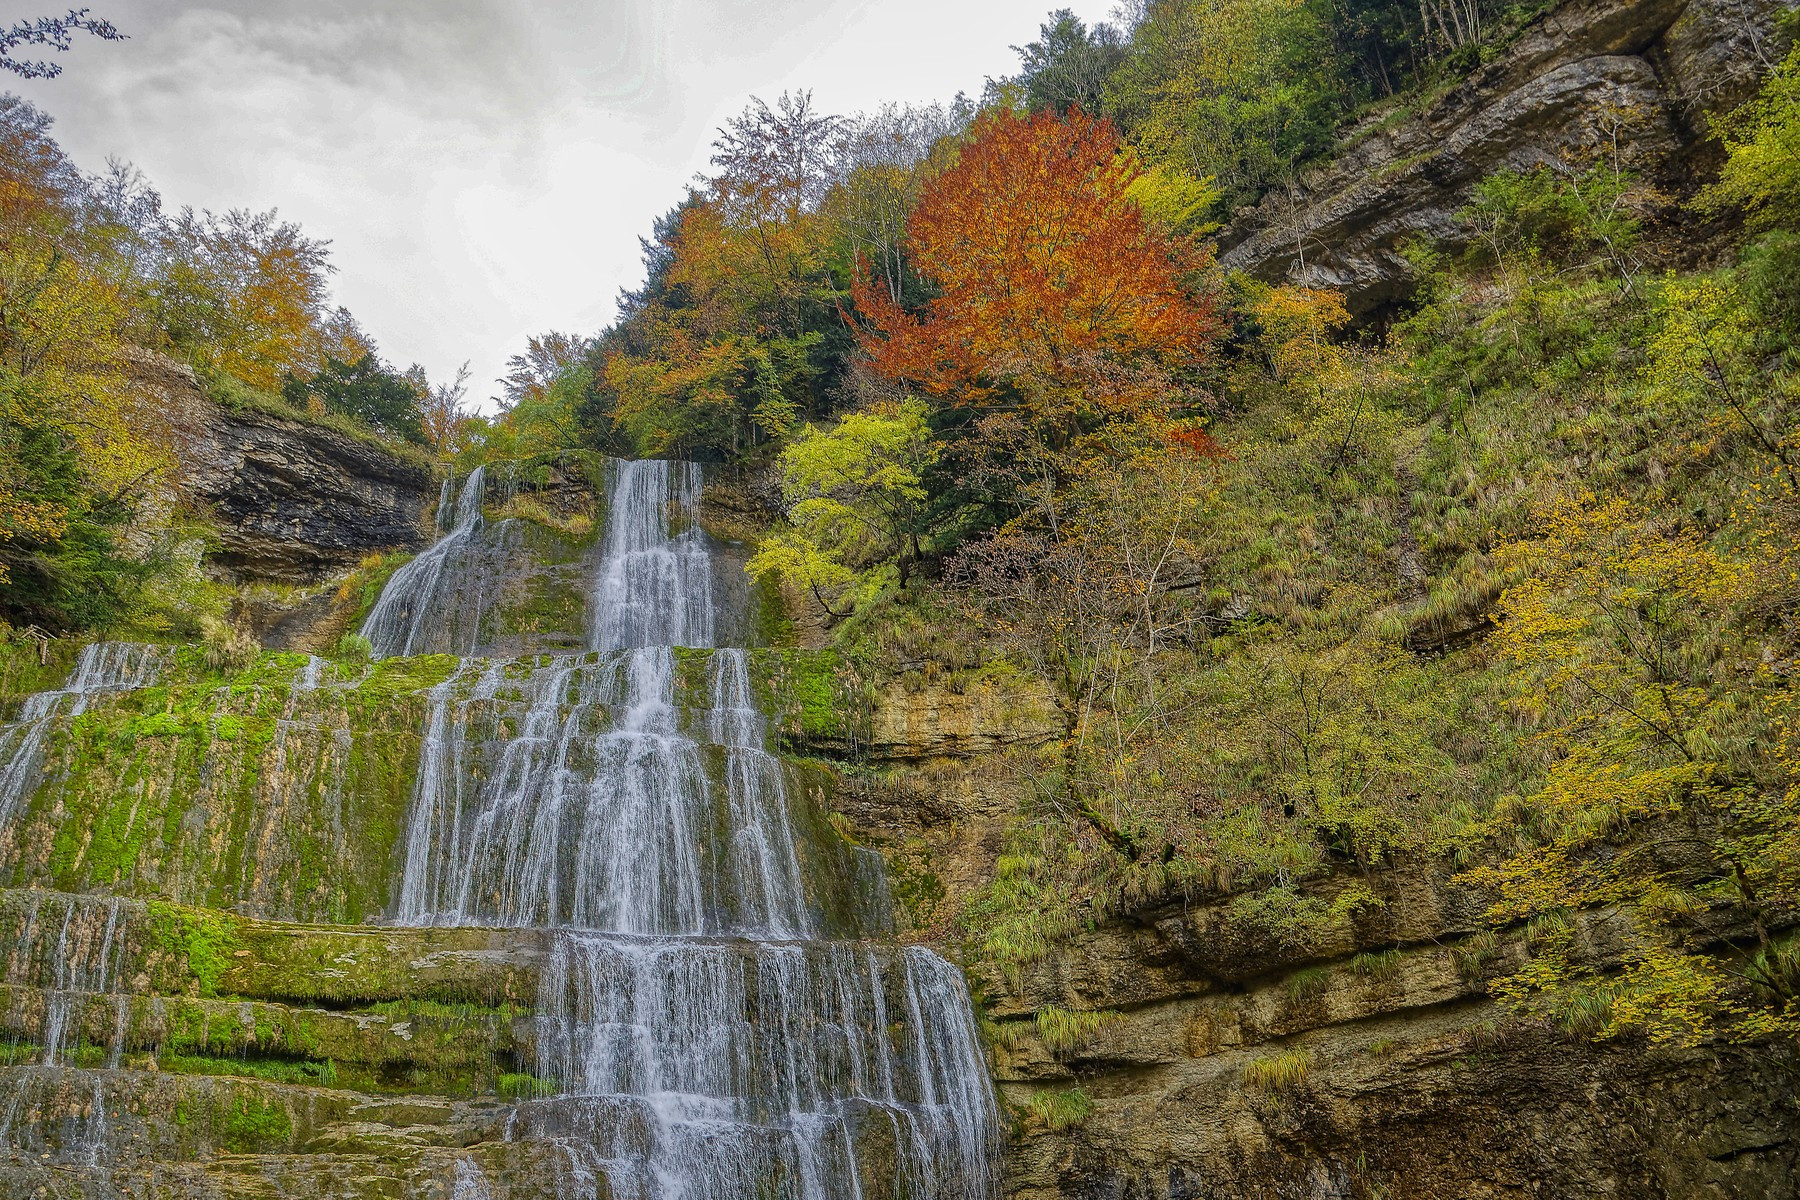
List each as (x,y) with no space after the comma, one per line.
(260,793)
(193,1044)
(281,791)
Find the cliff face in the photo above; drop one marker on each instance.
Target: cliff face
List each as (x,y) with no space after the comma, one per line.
(1371,1064)
(292,501)
(1586,78)
(1183,1052)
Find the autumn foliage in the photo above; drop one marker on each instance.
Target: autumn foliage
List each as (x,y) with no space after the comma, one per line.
(1056,297)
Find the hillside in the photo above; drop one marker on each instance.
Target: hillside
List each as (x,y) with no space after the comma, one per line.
(1252,595)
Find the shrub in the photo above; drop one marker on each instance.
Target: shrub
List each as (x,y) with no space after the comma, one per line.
(1284,1072)
(1061,1110)
(353,650)
(1062,1030)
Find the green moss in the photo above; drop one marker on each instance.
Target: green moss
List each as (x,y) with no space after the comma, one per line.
(255,1127)
(770,623)
(235,791)
(321,1073)
(206,940)
(515,1086)
(818,698)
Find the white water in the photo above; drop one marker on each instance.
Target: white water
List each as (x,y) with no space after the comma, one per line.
(654,586)
(74,951)
(705,1039)
(102,667)
(413,605)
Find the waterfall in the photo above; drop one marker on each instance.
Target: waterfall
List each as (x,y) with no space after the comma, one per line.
(654,588)
(713,1022)
(82,967)
(77,960)
(574,791)
(412,615)
(102,667)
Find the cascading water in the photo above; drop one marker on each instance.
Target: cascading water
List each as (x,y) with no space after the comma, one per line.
(712,1022)
(102,667)
(73,951)
(655,589)
(414,613)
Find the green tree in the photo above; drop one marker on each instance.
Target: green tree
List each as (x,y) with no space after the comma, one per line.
(366,390)
(1238,91)
(856,498)
(1069,64)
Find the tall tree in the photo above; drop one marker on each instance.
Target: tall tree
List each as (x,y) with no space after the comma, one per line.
(445,409)
(77,447)
(1058,302)
(530,375)
(245,294)
(1237,90)
(1069,64)
(883,159)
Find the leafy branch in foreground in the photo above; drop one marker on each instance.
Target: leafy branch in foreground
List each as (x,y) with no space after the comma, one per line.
(56,33)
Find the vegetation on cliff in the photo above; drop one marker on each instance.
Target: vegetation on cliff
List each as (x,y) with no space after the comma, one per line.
(1505,582)
(93,275)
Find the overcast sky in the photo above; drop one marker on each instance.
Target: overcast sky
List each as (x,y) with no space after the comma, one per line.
(484,168)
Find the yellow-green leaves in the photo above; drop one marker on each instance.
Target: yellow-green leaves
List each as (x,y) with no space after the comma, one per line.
(856,498)
(1649,802)
(1762,143)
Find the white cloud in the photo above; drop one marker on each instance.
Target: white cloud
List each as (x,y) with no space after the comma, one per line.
(483,168)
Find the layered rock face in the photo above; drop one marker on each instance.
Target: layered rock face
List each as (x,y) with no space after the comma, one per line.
(1373,1064)
(1585,80)
(293,502)
(1184,1052)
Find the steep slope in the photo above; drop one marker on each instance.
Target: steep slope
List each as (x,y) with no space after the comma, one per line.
(1587,81)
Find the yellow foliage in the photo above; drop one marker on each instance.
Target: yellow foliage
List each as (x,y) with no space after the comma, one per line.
(1284,1072)
(1613,626)
(1762,143)
(61,357)
(1297,327)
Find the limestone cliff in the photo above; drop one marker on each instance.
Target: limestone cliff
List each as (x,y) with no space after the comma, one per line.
(1643,72)
(292,501)
(1180,1052)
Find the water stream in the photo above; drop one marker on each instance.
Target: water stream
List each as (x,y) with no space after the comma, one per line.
(102,667)
(720,1019)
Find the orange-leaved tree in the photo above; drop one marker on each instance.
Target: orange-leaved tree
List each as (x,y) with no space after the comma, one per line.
(1058,301)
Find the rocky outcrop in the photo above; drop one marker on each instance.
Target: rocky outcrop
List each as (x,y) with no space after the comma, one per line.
(1215,1062)
(1189,1050)
(1582,78)
(227,1057)
(292,501)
